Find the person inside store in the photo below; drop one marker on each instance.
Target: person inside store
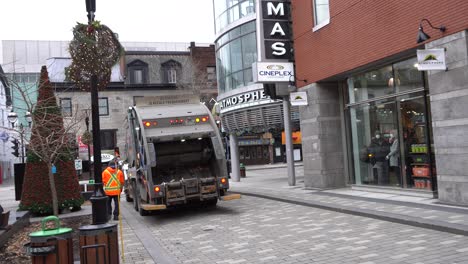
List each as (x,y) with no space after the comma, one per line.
(378,149)
(113,181)
(394,156)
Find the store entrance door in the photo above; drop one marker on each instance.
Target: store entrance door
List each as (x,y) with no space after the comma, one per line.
(417,152)
(254,155)
(392,143)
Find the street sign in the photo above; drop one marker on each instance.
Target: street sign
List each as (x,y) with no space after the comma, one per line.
(78,164)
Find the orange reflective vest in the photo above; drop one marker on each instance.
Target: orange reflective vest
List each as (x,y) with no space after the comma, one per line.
(113,181)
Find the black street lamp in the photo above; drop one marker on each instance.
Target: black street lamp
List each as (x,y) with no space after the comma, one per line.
(91,175)
(12,118)
(99,198)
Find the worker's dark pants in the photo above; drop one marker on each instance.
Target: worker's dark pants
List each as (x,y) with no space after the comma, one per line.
(114,198)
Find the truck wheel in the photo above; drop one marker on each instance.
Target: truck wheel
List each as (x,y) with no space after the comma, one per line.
(212,202)
(135,196)
(142,211)
(128,198)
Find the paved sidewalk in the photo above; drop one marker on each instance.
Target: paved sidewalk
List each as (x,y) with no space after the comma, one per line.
(412,208)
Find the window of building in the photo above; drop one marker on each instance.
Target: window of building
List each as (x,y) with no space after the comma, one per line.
(138,72)
(171,70)
(171,75)
(137,76)
(108,139)
(236,51)
(228,11)
(103,106)
(321,13)
(66,106)
(211,73)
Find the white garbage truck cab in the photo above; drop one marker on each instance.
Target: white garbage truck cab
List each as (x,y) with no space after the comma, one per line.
(174,154)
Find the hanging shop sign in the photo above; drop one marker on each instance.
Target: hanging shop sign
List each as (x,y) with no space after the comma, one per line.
(431,59)
(239,101)
(271,72)
(296,137)
(273,30)
(298,98)
(253,142)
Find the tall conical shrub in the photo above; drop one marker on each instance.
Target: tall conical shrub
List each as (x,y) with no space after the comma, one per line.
(49,146)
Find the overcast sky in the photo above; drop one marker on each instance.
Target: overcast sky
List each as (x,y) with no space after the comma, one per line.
(133,20)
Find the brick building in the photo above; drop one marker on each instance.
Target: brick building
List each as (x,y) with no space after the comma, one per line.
(374,120)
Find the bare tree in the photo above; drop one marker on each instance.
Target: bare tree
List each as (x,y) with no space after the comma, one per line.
(52,143)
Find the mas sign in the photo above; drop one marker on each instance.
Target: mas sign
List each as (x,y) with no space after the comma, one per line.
(276,30)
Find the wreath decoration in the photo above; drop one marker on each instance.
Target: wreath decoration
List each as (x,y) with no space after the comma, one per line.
(94,50)
(87,138)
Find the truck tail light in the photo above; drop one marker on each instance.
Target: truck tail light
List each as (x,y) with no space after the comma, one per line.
(158,190)
(223,183)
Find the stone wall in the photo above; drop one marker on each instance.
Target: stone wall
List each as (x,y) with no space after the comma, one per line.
(449,107)
(321,137)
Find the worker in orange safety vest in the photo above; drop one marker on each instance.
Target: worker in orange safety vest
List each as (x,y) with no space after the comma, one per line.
(113,181)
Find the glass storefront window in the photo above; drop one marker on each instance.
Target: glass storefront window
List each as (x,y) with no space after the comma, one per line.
(393,79)
(391,143)
(235,55)
(370,85)
(417,151)
(374,128)
(228,11)
(407,76)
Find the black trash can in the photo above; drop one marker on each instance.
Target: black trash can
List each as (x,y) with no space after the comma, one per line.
(99,244)
(242,170)
(51,245)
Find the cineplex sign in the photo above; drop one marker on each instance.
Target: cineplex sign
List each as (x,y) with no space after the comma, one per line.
(266,72)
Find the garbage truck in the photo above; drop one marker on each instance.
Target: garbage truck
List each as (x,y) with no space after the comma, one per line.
(173,154)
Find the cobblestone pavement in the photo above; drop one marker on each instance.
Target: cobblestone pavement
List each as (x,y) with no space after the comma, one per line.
(273,183)
(257,230)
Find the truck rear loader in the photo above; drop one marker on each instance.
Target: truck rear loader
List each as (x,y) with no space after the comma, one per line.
(174,154)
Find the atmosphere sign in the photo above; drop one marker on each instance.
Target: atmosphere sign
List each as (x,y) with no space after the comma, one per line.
(271,72)
(250,99)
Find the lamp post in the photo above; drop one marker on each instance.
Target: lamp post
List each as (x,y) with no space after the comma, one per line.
(91,176)
(99,198)
(12,118)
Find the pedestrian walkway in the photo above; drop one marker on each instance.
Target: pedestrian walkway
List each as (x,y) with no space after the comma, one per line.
(412,208)
(271,182)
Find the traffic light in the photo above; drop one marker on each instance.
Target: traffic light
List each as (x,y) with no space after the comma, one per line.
(270,90)
(15,147)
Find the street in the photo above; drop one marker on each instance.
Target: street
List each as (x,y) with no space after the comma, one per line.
(257,230)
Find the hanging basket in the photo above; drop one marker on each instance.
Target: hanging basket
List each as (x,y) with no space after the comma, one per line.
(94,50)
(87,138)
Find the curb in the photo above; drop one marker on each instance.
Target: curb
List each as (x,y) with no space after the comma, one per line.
(20,223)
(271,167)
(390,217)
